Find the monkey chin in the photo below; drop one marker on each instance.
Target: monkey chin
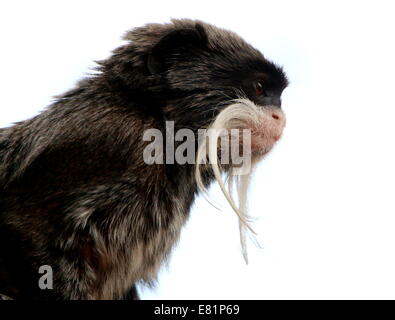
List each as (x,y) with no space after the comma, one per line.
(258,153)
(262,145)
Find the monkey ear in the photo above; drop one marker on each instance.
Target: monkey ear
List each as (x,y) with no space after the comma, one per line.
(176,42)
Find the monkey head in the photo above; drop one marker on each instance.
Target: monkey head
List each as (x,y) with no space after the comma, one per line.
(189,71)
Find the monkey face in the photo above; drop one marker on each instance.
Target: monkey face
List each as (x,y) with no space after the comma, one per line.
(198,71)
(191,71)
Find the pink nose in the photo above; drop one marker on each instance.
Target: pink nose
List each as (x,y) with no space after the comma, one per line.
(277,115)
(278,123)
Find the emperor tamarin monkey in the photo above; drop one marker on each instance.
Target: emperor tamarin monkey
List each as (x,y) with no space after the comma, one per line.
(75,191)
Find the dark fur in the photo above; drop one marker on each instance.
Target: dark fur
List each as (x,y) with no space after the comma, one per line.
(75,192)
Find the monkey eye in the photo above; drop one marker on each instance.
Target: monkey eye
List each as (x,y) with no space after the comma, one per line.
(259,91)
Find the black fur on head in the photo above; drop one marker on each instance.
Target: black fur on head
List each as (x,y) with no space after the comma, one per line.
(191,67)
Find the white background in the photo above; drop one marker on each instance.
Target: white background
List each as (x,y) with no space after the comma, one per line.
(324,197)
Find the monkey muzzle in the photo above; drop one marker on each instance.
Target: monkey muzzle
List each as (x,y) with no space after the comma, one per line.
(265,124)
(267,129)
